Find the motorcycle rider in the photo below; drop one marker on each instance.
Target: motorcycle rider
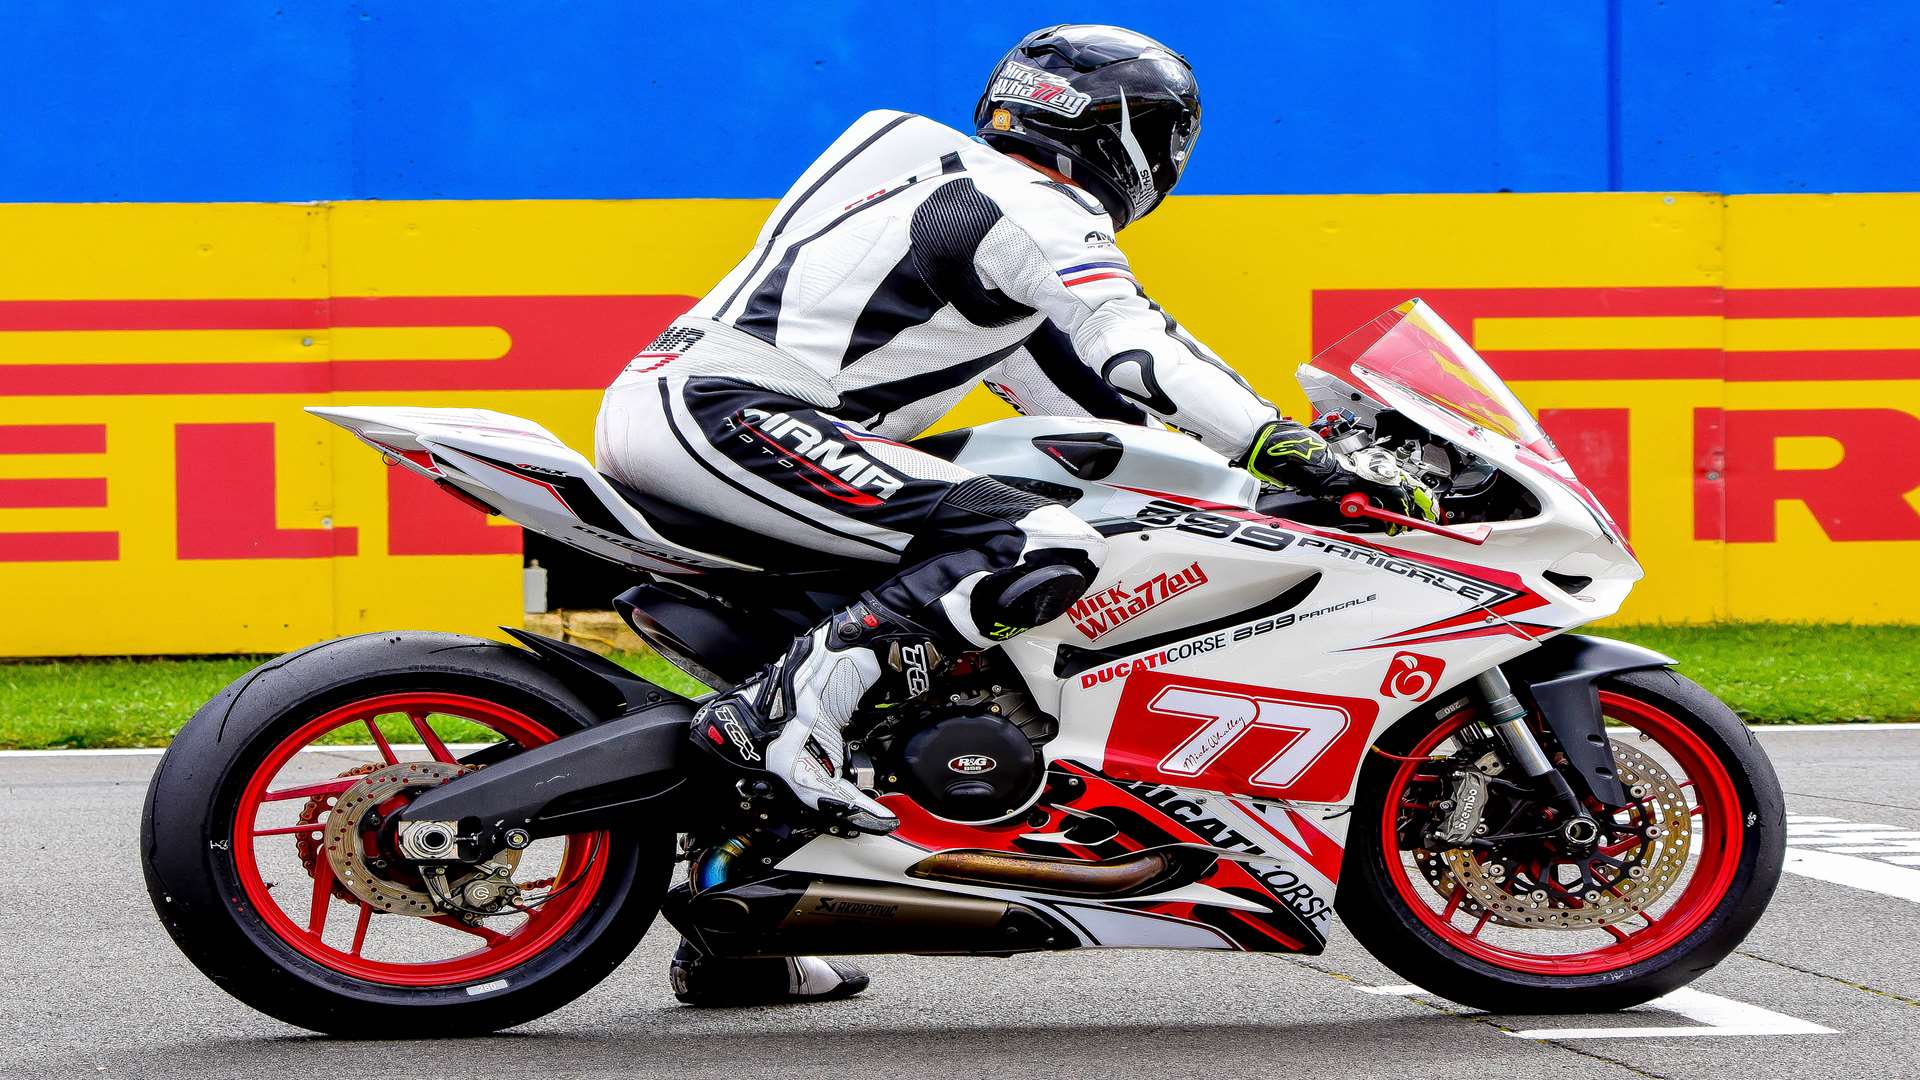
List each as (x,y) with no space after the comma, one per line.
(906,264)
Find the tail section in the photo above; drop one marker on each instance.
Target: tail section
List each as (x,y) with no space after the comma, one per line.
(518,470)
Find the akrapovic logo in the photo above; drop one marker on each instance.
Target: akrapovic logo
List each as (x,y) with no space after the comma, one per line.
(831,466)
(855,909)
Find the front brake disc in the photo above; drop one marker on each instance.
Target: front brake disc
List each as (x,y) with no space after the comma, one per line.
(1660,817)
(346,843)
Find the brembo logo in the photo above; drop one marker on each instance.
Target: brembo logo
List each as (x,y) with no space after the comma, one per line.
(828,465)
(1105,611)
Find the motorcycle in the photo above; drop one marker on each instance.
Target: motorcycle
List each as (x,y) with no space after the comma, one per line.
(1267,710)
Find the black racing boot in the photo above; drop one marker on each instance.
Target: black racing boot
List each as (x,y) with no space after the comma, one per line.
(731,982)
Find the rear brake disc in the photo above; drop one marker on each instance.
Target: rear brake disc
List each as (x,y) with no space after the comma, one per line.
(346,843)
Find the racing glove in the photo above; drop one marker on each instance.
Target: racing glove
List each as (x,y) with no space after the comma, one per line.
(1288,454)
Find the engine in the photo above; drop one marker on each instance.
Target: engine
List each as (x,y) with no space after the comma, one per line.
(975,760)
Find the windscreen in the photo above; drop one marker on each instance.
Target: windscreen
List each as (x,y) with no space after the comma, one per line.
(1411,346)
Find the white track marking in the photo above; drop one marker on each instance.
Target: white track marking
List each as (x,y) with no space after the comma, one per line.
(1720,1016)
(1885,844)
(1855,872)
(1905,860)
(1717,1016)
(1771,729)
(1831,826)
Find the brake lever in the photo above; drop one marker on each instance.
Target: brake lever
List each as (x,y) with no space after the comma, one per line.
(1356,504)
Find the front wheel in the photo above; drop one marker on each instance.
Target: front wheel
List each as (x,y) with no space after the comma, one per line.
(267,860)
(1522,922)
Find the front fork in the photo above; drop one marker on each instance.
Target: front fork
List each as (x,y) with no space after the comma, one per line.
(1509,719)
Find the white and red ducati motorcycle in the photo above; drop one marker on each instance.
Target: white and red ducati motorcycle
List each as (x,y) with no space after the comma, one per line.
(1266,711)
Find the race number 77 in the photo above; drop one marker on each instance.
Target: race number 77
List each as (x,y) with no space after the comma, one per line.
(1226,721)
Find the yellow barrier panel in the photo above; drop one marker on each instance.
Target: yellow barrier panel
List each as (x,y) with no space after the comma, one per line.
(1738,378)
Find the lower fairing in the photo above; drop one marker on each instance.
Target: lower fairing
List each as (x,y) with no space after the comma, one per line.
(1258,876)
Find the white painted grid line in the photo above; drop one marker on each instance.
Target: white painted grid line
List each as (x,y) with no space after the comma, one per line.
(1717,1016)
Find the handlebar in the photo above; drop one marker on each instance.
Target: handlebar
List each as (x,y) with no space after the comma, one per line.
(1356,504)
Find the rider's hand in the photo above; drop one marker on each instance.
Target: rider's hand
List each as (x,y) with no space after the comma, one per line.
(1288,454)
(1381,477)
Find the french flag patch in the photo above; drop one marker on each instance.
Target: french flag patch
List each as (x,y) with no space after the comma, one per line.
(1094,271)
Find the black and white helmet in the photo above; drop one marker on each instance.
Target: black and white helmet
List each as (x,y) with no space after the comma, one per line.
(1115,111)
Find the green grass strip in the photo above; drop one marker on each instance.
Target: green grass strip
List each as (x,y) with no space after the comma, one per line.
(1769,673)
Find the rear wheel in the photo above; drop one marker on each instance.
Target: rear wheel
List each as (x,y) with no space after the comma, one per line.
(1524,922)
(267,860)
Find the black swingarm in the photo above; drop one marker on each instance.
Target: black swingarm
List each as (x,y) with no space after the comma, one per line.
(602,777)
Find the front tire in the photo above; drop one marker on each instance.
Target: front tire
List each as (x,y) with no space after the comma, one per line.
(292,946)
(1740,816)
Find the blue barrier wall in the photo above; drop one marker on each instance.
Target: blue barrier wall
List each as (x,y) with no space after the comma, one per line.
(151,101)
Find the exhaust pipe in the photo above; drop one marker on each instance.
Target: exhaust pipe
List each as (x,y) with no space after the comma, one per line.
(791,915)
(1131,874)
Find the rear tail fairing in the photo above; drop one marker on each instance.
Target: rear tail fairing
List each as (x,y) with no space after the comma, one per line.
(520,471)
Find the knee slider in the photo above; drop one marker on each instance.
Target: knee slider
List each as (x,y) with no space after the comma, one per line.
(1034,595)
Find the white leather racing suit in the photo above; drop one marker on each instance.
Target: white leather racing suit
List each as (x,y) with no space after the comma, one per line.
(907,264)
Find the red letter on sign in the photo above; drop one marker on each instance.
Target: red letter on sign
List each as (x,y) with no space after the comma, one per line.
(423,520)
(1861,498)
(1594,442)
(224,482)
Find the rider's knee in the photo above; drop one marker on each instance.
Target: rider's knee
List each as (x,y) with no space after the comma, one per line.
(1058,562)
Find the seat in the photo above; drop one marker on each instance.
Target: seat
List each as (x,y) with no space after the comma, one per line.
(699,532)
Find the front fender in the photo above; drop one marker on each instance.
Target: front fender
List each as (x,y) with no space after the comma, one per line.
(1560,676)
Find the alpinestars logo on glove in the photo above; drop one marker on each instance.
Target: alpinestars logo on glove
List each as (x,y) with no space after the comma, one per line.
(829,466)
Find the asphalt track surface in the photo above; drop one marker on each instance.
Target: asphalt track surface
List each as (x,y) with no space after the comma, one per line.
(1828,985)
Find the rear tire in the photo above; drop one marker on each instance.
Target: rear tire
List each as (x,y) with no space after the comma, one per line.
(1380,916)
(188,844)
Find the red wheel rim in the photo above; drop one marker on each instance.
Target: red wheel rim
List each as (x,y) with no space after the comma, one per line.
(581,868)
(1717,809)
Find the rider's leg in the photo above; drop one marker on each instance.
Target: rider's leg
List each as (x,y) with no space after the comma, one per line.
(1011,561)
(983,564)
